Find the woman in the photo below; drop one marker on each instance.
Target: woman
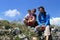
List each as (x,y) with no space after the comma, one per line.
(44,21)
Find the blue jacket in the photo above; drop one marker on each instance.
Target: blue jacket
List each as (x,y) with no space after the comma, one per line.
(44,20)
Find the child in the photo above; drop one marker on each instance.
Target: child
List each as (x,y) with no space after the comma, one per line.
(28,18)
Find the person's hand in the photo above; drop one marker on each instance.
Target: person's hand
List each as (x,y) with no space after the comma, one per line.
(43,25)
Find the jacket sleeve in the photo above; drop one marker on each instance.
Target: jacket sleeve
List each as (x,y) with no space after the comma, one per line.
(47,19)
(39,18)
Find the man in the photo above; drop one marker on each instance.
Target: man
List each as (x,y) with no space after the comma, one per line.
(33,11)
(44,21)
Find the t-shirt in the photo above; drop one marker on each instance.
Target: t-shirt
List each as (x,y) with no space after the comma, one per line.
(29,16)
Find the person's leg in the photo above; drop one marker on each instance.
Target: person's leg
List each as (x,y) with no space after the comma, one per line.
(47,37)
(47,32)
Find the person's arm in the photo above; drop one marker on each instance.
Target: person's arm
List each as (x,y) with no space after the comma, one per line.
(33,19)
(47,20)
(25,18)
(39,21)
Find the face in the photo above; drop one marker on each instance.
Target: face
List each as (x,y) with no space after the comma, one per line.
(41,10)
(32,11)
(29,12)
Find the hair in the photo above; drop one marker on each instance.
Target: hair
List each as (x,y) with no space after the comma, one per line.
(43,10)
(34,10)
(29,10)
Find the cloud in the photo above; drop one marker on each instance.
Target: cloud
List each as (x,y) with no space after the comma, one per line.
(55,21)
(1,18)
(12,13)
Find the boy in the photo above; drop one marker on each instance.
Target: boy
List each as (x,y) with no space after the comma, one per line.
(28,18)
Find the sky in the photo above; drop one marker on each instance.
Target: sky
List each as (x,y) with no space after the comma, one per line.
(17,9)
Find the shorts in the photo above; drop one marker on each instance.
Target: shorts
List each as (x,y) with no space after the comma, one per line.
(46,31)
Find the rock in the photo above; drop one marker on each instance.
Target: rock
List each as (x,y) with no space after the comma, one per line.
(32,29)
(16,31)
(21,36)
